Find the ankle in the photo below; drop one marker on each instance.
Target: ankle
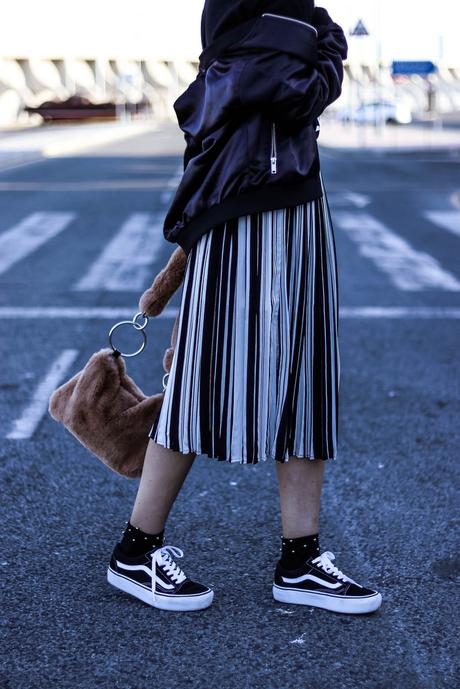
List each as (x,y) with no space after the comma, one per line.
(146,528)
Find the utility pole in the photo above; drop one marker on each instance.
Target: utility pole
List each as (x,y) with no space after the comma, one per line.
(382,120)
(360,31)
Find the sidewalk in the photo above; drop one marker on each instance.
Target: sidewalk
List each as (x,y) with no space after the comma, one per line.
(401,138)
(33,144)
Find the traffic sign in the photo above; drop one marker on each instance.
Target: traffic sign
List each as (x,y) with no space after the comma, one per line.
(421,67)
(360,29)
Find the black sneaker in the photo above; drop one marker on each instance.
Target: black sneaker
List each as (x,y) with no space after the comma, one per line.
(157,580)
(320,583)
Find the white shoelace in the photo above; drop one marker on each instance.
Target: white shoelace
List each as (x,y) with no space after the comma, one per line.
(163,557)
(324,562)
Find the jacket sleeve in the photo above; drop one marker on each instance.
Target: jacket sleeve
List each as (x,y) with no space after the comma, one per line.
(289,89)
(192,148)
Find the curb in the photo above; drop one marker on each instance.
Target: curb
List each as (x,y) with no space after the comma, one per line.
(391,150)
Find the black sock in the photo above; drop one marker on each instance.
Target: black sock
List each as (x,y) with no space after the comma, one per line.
(295,551)
(137,542)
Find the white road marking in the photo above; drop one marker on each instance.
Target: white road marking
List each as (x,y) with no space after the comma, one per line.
(349,197)
(172,184)
(408,269)
(125,263)
(399,312)
(449,220)
(26,424)
(77,312)
(109,312)
(96,185)
(25,237)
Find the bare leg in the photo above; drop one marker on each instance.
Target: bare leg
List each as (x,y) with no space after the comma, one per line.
(163,474)
(300,483)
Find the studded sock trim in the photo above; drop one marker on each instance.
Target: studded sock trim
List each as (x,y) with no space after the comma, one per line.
(295,551)
(137,542)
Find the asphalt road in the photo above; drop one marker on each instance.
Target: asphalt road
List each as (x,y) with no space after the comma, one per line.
(388,507)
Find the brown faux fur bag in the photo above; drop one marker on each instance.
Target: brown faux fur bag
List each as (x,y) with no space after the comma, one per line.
(102,406)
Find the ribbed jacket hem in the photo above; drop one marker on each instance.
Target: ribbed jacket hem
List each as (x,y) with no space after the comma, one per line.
(268,197)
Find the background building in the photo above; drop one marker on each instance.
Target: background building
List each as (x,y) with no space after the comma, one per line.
(146,52)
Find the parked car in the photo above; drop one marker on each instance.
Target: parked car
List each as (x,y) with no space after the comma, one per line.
(80,108)
(376,112)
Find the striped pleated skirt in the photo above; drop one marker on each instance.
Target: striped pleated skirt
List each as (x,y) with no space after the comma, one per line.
(256,368)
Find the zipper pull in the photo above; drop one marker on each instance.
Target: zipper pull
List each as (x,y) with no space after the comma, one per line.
(273,151)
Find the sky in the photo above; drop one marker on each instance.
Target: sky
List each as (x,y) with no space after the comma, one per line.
(407,29)
(159,29)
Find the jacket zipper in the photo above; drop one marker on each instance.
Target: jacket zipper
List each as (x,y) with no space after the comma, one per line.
(273,155)
(291,19)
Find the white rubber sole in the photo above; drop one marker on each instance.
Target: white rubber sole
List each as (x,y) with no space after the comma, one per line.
(163,602)
(357,605)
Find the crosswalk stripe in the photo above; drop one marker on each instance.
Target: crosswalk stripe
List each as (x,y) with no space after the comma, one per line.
(125,263)
(172,184)
(29,234)
(407,268)
(449,220)
(347,198)
(25,426)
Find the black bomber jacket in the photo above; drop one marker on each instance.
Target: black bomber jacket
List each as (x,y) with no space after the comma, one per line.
(250,121)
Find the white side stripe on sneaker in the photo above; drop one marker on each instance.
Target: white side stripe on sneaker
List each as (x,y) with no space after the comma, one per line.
(311,577)
(147,570)
(163,557)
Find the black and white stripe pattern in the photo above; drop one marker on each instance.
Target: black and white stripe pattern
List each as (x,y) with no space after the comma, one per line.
(256,370)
